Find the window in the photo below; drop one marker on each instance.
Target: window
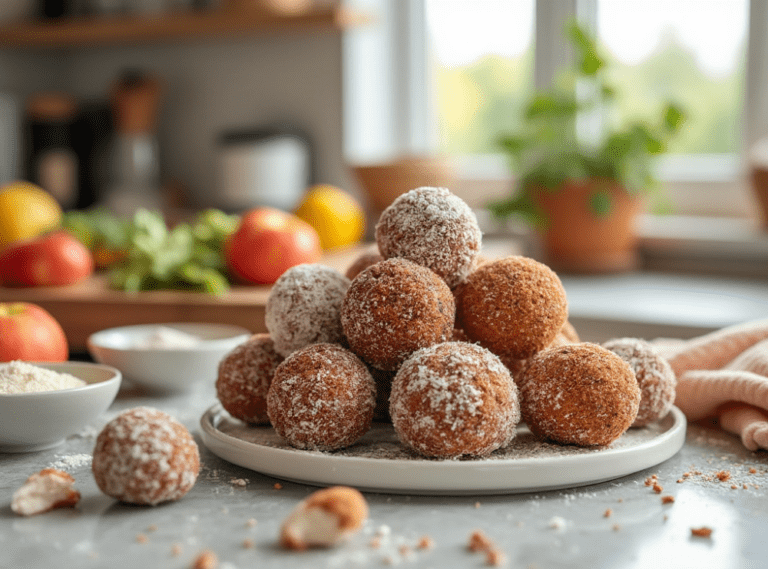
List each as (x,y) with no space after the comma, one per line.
(479,58)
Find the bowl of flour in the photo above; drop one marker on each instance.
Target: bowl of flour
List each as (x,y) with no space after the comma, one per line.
(42,403)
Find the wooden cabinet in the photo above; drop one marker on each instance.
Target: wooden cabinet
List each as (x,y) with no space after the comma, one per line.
(134,30)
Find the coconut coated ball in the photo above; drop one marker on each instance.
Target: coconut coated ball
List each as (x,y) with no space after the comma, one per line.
(244,376)
(303,307)
(514,306)
(322,397)
(394,308)
(581,394)
(145,456)
(454,399)
(654,376)
(434,228)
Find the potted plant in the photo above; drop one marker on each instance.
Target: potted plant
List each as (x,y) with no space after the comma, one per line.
(583,196)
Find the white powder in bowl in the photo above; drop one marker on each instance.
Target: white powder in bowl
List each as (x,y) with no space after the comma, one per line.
(164,337)
(21,377)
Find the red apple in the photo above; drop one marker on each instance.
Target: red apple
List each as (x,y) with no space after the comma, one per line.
(29,333)
(54,259)
(267,243)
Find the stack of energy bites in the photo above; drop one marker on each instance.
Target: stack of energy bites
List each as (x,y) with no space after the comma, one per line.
(452,349)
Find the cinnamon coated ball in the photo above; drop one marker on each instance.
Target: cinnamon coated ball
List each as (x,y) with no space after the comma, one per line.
(581,394)
(322,397)
(303,307)
(244,376)
(514,306)
(654,375)
(145,456)
(394,308)
(454,399)
(434,228)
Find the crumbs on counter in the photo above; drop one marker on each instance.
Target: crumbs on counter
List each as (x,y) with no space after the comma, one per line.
(141,538)
(176,549)
(667,499)
(251,523)
(480,543)
(425,542)
(43,491)
(703,531)
(658,488)
(277,486)
(207,559)
(248,543)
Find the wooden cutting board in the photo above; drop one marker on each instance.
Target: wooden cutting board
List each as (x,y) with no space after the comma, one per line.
(90,306)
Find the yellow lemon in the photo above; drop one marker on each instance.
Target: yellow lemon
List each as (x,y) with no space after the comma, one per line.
(26,211)
(336,216)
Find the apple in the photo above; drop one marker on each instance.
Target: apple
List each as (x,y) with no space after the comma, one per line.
(29,333)
(54,259)
(268,242)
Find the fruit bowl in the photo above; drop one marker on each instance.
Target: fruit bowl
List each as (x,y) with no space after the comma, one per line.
(161,362)
(37,421)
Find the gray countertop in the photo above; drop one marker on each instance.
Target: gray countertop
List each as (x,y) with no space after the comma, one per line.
(639,532)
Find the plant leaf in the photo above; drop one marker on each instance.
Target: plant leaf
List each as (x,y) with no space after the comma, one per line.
(600,203)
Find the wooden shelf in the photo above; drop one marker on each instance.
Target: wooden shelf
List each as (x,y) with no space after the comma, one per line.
(99,31)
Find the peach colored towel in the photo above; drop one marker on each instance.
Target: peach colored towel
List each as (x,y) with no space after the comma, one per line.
(725,375)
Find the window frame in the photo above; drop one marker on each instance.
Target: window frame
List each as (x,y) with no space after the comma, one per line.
(695,184)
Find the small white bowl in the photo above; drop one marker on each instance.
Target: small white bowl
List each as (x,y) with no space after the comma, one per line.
(166,369)
(36,421)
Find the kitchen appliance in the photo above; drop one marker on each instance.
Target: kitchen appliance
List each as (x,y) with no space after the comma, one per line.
(270,166)
(134,162)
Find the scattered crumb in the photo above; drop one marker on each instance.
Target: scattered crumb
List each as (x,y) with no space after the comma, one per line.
(141,538)
(607,513)
(478,541)
(43,491)
(375,543)
(278,486)
(495,558)
(658,488)
(251,523)
(701,532)
(733,487)
(753,470)
(620,500)
(238,482)
(425,543)
(404,550)
(723,475)
(667,499)
(477,505)
(745,486)
(176,549)
(152,528)
(556,522)
(616,527)
(206,560)
(679,480)
(248,543)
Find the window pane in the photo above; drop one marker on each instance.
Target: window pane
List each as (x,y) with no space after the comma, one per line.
(481,54)
(690,51)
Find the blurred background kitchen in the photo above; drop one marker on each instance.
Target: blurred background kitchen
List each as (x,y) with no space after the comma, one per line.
(189,104)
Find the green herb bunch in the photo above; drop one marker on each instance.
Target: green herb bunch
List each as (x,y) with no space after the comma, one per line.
(546,151)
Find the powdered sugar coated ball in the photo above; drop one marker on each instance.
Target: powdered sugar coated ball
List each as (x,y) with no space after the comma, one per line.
(244,376)
(654,376)
(303,307)
(145,456)
(454,399)
(434,228)
(322,397)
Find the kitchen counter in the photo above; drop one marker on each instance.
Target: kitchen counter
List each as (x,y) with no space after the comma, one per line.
(620,523)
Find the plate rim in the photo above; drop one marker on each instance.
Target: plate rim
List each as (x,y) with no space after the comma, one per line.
(496,476)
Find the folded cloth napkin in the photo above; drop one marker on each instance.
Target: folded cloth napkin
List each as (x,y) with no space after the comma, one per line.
(724,375)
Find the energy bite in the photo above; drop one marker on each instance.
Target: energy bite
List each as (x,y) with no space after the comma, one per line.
(515,306)
(322,397)
(303,307)
(145,456)
(454,399)
(394,308)
(244,376)
(581,394)
(654,375)
(434,228)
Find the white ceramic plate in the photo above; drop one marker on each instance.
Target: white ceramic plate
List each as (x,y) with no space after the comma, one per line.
(36,421)
(379,463)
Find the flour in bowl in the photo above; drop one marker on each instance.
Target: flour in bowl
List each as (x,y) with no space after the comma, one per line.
(21,377)
(164,337)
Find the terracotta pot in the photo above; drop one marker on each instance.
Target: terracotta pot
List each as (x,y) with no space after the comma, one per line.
(579,240)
